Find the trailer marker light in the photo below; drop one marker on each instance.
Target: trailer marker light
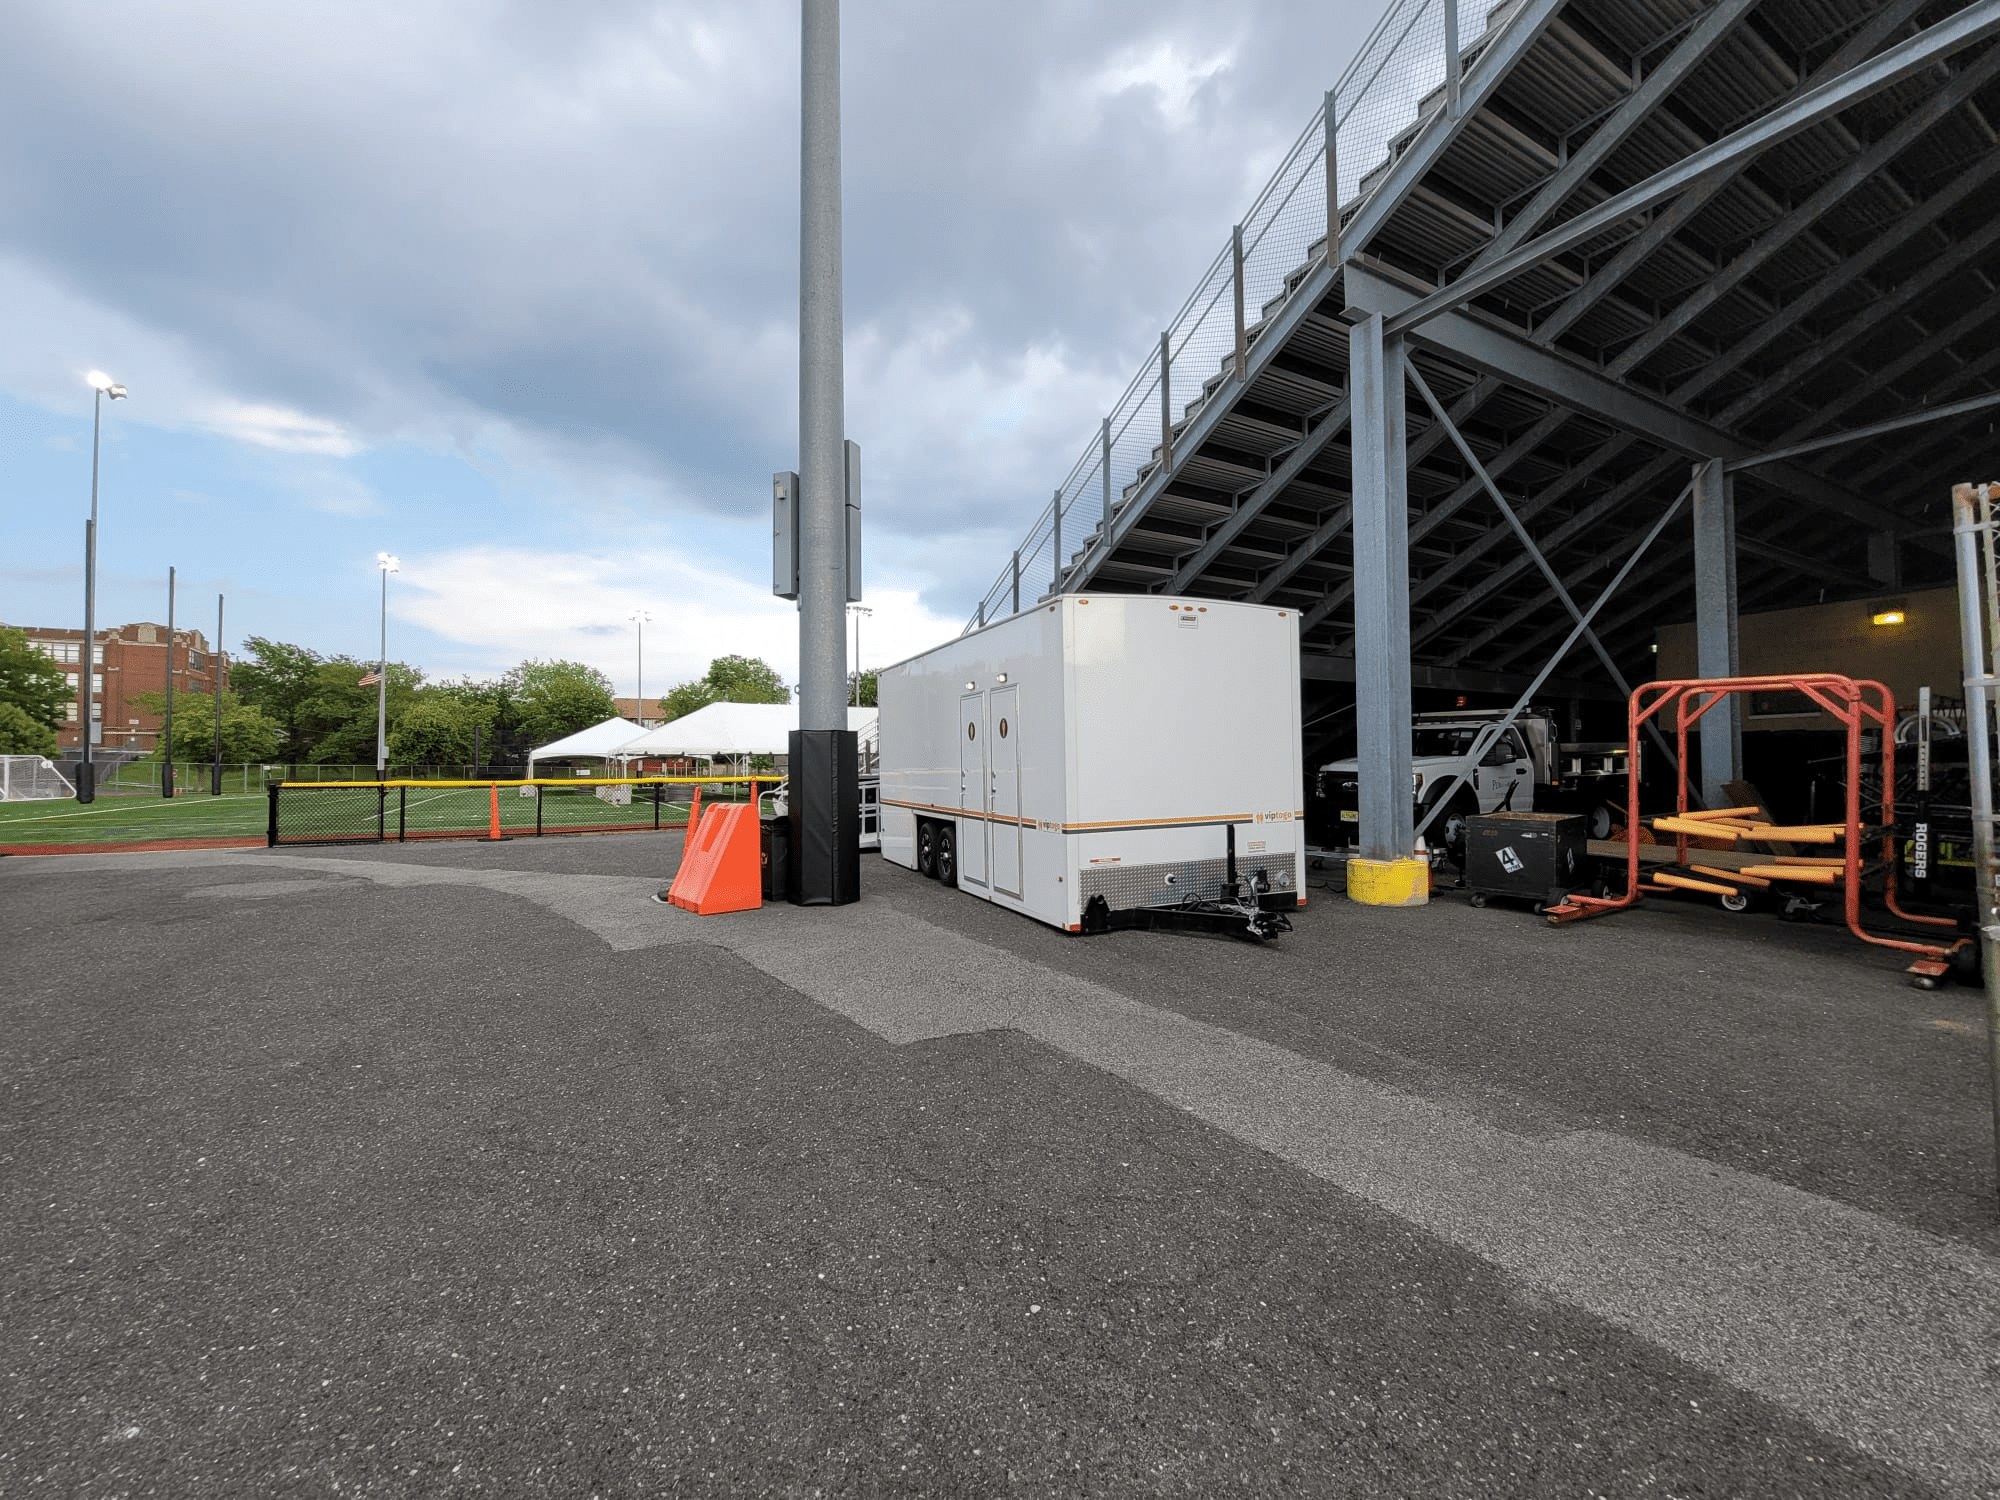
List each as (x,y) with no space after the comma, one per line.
(1001,678)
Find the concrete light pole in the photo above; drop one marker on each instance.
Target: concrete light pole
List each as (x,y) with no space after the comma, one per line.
(825,863)
(167,763)
(388,564)
(86,772)
(822,415)
(857,611)
(640,618)
(215,676)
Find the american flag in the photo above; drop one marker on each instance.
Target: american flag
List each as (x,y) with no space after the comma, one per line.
(370,680)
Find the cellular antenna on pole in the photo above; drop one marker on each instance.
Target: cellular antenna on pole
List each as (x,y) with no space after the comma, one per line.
(825,800)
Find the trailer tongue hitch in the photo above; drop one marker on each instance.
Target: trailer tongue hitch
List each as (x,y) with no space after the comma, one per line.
(1237,910)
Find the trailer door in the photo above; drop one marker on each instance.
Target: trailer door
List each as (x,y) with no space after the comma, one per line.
(1005,755)
(974,789)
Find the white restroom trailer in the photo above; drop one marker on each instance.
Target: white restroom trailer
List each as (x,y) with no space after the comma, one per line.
(1107,746)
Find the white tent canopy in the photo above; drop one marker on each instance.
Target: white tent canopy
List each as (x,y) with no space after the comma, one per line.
(723,731)
(598,740)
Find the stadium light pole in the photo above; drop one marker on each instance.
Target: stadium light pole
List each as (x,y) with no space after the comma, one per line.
(167,763)
(856,611)
(640,618)
(822,421)
(215,674)
(86,772)
(388,564)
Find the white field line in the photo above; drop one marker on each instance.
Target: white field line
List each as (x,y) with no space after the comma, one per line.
(144,810)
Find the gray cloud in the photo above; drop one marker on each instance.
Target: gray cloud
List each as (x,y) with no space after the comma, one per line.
(576,227)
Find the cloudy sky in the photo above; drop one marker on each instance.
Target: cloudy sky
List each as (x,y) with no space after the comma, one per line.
(511,290)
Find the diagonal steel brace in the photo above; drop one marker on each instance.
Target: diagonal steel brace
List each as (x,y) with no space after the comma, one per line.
(1527,541)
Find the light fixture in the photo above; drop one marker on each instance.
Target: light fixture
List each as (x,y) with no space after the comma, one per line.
(1001,678)
(970,686)
(99,381)
(388,562)
(1887,612)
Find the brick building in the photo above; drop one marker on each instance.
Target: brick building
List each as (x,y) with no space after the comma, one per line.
(130,660)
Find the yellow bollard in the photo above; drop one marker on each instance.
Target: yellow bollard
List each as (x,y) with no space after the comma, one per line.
(1389,882)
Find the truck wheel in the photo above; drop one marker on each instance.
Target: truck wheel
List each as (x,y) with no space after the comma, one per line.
(927,851)
(947,854)
(1447,830)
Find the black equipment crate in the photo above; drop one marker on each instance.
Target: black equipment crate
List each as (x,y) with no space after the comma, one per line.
(1538,857)
(775,850)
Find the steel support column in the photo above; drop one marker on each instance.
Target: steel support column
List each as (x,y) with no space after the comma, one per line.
(1381,591)
(1721,727)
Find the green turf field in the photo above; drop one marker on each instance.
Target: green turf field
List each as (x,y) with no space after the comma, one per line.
(130,819)
(349,812)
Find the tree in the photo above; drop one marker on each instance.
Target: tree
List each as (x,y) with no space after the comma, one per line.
(556,698)
(685,699)
(729,679)
(21,734)
(866,696)
(338,719)
(33,684)
(435,731)
(247,733)
(280,680)
(746,679)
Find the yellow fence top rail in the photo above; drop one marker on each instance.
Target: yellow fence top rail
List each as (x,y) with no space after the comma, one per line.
(771,780)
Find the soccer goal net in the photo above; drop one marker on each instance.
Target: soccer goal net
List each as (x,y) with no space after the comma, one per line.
(31,778)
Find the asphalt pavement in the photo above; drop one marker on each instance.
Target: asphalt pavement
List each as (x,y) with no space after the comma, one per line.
(467,1169)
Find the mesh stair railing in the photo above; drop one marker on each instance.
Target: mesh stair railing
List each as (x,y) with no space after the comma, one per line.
(1387,96)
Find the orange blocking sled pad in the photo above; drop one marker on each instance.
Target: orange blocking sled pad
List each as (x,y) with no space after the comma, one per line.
(721,869)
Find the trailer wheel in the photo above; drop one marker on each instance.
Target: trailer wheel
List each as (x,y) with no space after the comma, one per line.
(1738,902)
(927,852)
(947,854)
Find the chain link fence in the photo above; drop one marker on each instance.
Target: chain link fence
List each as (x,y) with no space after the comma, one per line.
(1395,82)
(403,811)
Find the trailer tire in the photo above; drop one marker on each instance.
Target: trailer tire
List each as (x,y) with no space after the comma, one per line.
(947,854)
(927,842)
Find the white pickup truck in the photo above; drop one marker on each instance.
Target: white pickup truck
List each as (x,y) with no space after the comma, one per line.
(1525,770)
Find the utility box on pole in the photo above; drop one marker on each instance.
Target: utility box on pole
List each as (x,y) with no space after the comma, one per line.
(785,529)
(785,535)
(853,450)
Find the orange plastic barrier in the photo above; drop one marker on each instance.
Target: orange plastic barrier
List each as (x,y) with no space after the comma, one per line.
(722,867)
(493,809)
